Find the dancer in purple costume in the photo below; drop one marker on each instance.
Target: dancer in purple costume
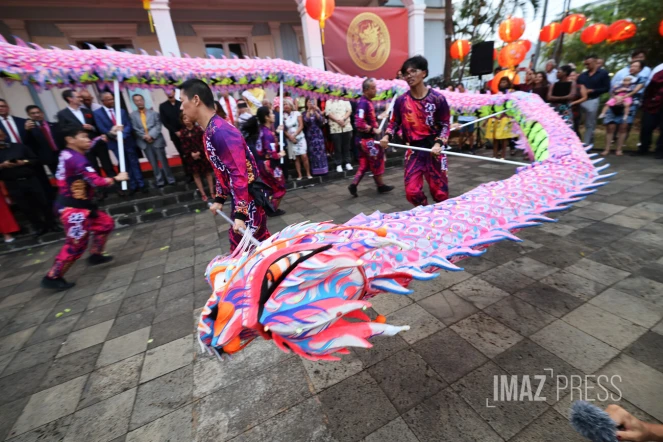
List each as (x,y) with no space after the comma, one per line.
(371,153)
(423,116)
(233,163)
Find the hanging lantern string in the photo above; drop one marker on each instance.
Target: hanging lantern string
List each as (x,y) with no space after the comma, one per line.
(322,21)
(146,6)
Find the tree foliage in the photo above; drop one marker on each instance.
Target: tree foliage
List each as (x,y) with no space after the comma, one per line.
(646,14)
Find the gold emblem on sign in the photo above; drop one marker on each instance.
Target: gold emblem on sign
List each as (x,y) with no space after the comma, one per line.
(368,41)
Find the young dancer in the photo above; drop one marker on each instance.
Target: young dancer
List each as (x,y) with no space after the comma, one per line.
(78,213)
(422,115)
(371,154)
(232,161)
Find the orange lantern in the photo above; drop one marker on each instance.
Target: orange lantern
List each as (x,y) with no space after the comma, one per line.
(512,29)
(573,23)
(511,55)
(621,30)
(594,34)
(511,74)
(550,32)
(459,49)
(526,44)
(320,10)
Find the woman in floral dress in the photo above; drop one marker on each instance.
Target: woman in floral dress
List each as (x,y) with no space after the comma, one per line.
(315,138)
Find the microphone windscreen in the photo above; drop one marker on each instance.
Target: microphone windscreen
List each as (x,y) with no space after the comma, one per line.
(592,422)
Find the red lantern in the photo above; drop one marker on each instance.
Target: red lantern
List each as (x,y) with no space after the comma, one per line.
(459,49)
(550,32)
(621,30)
(496,54)
(510,74)
(594,34)
(526,44)
(573,23)
(511,29)
(660,28)
(320,10)
(511,55)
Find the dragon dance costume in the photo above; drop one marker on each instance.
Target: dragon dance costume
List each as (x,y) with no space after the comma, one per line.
(235,170)
(371,154)
(78,213)
(423,122)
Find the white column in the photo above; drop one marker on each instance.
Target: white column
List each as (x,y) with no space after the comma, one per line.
(312,38)
(275,28)
(416,13)
(164,28)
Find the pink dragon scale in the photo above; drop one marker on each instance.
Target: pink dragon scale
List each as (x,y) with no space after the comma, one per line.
(306,287)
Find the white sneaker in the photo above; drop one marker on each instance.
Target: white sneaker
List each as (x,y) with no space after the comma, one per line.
(339,169)
(348,166)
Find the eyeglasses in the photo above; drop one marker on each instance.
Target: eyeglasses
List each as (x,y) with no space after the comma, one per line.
(411,72)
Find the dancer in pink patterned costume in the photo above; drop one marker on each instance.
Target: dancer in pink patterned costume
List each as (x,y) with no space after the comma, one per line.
(371,154)
(423,116)
(232,160)
(78,212)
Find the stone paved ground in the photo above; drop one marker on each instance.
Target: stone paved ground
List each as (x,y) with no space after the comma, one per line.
(114,359)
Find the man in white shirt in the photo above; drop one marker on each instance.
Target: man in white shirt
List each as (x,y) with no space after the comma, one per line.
(551,72)
(229,105)
(624,72)
(14,127)
(340,129)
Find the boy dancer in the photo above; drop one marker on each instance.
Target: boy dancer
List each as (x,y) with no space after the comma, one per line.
(233,163)
(371,154)
(78,213)
(423,116)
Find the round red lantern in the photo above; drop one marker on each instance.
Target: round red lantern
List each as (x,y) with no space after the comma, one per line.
(459,49)
(550,32)
(320,10)
(621,30)
(511,74)
(511,55)
(594,34)
(511,29)
(573,23)
(660,28)
(526,44)
(495,53)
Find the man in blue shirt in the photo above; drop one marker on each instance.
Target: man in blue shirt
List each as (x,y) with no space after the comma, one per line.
(597,83)
(645,73)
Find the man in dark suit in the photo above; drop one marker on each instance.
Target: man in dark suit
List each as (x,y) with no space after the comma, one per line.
(107,124)
(169,111)
(41,137)
(75,115)
(14,127)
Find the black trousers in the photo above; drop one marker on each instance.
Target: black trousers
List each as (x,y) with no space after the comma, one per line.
(649,124)
(49,191)
(28,195)
(100,151)
(178,145)
(342,147)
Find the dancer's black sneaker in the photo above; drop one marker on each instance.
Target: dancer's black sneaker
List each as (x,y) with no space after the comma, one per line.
(97,259)
(385,189)
(58,284)
(353,190)
(278,212)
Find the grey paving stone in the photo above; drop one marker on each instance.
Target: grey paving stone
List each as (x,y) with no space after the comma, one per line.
(576,347)
(49,405)
(103,421)
(86,337)
(324,374)
(138,302)
(518,315)
(574,285)
(54,431)
(600,234)
(176,426)
(132,322)
(81,291)
(67,308)
(161,396)
(648,349)
(170,309)
(53,329)
(396,430)
(486,334)
(177,276)
(23,321)
(500,254)
(33,355)
(383,347)
(22,383)
(457,359)
(506,417)
(562,253)
(108,297)
(148,273)
(166,358)
(447,417)
(143,286)
(275,390)
(638,382)
(111,380)
(653,271)
(506,279)
(387,303)
(548,299)
(611,329)
(9,412)
(71,366)
(644,288)
(549,427)
(530,267)
(597,272)
(176,290)
(15,299)
(123,347)
(356,407)
(42,301)
(480,293)
(5,360)
(447,307)
(305,421)
(476,266)
(167,331)
(421,323)
(97,315)
(15,341)
(423,289)
(626,221)
(632,308)
(406,379)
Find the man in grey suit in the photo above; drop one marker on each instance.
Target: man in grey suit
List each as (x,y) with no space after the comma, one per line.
(146,125)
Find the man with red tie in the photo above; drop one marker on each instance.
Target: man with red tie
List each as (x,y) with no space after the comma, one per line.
(14,127)
(41,137)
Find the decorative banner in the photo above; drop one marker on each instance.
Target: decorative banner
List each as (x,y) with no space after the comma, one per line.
(376,41)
